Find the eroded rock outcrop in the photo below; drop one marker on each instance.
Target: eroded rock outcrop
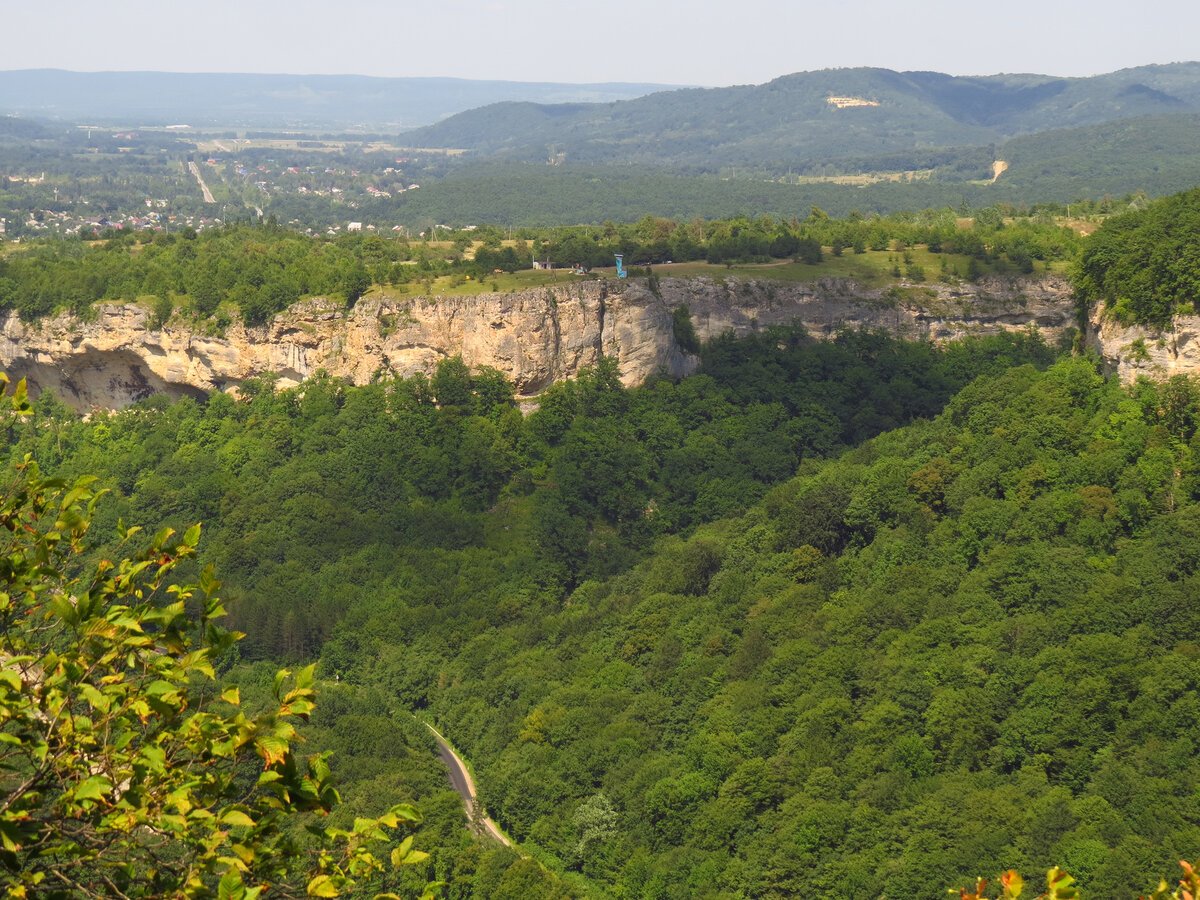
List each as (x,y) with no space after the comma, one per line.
(1135,350)
(534,337)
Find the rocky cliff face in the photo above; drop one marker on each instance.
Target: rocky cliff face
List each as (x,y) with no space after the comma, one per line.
(534,337)
(1135,350)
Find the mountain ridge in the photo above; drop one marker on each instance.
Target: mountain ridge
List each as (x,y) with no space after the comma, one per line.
(794,119)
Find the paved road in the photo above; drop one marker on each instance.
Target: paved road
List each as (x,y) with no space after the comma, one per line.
(195,169)
(460,780)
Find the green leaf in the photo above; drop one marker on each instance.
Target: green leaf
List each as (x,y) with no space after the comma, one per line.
(272,749)
(93,788)
(406,813)
(1060,885)
(231,886)
(236,818)
(322,886)
(20,399)
(162,537)
(208,581)
(10,835)
(155,757)
(191,537)
(305,676)
(62,607)
(160,688)
(95,698)
(79,492)
(280,677)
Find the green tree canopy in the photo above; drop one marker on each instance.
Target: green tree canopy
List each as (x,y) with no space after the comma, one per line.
(1145,264)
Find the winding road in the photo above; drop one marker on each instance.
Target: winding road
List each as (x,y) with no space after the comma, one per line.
(461,781)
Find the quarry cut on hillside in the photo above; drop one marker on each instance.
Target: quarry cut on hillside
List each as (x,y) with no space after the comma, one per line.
(533,337)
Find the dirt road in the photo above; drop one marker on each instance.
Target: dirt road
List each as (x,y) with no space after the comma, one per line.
(460,780)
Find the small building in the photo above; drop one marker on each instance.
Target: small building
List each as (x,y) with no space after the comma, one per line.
(354,226)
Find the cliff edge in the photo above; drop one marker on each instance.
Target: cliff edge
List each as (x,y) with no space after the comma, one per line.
(534,337)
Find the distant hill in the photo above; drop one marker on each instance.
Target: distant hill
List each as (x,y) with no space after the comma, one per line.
(1156,155)
(870,140)
(275,101)
(812,118)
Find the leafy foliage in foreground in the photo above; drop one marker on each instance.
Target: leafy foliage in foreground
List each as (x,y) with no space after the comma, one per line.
(1061,886)
(127,771)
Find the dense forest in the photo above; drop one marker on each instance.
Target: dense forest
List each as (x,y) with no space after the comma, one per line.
(320,502)
(852,618)
(680,671)
(533,195)
(965,645)
(431,464)
(1145,265)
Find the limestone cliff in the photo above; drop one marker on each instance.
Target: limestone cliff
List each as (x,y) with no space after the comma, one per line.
(1135,350)
(534,337)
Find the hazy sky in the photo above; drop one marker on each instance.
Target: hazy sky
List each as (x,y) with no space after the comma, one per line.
(696,42)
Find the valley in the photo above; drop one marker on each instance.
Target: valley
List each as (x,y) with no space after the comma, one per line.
(910,140)
(498,490)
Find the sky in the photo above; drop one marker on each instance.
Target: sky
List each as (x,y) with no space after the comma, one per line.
(700,42)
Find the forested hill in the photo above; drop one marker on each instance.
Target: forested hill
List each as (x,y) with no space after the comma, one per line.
(792,121)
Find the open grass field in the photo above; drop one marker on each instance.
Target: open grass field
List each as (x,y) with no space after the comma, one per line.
(862,178)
